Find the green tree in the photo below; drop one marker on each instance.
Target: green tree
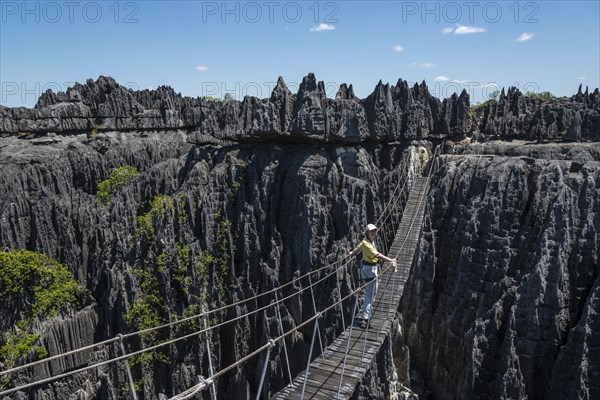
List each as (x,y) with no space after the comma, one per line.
(115,181)
(494,95)
(540,96)
(38,287)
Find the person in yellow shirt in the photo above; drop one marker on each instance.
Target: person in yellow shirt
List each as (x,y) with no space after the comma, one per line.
(368,269)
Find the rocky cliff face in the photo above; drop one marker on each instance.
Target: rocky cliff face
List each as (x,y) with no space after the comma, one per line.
(502,302)
(236,198)
(390,113)
(198,228)
(515,115)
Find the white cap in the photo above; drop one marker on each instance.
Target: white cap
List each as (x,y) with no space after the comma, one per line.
(371,227)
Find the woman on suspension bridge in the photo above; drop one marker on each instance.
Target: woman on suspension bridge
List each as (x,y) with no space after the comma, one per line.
(368,269)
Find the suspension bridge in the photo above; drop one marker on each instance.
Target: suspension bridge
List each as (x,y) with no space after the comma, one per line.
(339,369)
(337,373)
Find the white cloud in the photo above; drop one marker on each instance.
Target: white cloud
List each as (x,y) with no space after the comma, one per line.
(322,27)
(397,48)
(464,30)
(201,68)
(461,81)
(441,78)
(581,78)
(423,65)
(525,37)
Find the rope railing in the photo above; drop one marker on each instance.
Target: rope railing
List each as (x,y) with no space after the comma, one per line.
(421,197)
(209,381)
(219,309)
(342,263)
(170,324)
(154,347)
(151,348)
(353,316)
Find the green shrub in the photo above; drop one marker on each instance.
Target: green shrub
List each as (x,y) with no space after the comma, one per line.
(44,286)
(19,344)
(145,226)
(161,203)
(161,262)
(192,324)
(540,96)
(204,261)
(115,181)
(145,313)
(476,107)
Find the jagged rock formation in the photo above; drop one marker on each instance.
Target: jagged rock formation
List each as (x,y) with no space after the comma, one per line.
(267,212)
(391,113)
(516,115)
(503,296)
(502,302)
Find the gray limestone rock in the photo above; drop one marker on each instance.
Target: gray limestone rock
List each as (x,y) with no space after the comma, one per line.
(277,210)
(515,115)
(502,300)
(390,113)
(505,278)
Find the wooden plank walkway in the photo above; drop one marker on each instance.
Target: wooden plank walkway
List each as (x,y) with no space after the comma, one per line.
(325,373)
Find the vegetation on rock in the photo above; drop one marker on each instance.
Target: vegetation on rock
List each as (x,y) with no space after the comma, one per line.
(36,286)
(115,181)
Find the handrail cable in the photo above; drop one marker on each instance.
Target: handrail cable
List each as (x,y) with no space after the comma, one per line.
(191,391)
(421,197)
(154,347)
(222,308)
(403,179)
(166,342)
(211,379)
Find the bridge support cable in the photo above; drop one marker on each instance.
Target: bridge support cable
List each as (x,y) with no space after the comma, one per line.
(265,367)
(312,293)
(186,394)
(312,345)
(126,364)
(203,385)
(213,388)
(347,348)
(159,345)
(281,331)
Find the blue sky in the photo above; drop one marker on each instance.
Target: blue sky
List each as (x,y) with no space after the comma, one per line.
(216,47)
